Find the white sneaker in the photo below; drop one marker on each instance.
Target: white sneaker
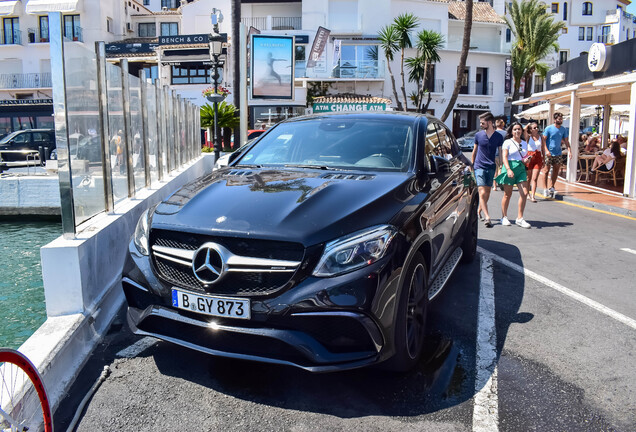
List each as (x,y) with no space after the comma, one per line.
(545,193)
(552,192)
(505,221)
(522,223)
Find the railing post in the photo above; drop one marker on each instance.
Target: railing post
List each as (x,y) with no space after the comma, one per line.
(175,128)
(169,128)
(102,93)
(161,128)
(58,77)
(144,124)
(128,155)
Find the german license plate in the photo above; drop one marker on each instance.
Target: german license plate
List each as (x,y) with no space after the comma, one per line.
(226,307)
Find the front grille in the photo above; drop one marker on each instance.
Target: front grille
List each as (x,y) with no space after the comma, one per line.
(253,283)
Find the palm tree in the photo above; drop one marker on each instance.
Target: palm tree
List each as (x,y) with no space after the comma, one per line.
(536,34)
(428,44)
(404,25)
(468,25)
(519,65)
(388,38)
(227,120)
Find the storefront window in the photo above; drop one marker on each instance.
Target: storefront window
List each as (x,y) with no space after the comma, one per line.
(358,61)
(191,74)
(262,117)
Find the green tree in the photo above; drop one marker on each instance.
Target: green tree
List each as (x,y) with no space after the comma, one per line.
(404,25)
(227,120)
(428,44)
(468,25)
(388,37)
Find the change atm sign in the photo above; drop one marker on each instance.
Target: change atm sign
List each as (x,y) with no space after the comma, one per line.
(348,107)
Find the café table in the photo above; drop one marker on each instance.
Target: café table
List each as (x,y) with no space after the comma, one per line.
(587,158)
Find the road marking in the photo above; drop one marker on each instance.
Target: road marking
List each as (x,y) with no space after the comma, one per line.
(563,290)
(632,251)
(589,208)
(137,348)
(486,409)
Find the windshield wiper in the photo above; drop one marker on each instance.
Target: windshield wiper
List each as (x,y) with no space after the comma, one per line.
(320,167)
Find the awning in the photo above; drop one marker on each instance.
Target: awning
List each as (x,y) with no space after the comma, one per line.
(45,6)
(9,8)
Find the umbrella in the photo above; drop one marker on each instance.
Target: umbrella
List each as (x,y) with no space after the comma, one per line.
(540,112)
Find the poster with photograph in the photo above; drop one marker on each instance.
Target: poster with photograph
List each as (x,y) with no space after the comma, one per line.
(272,67)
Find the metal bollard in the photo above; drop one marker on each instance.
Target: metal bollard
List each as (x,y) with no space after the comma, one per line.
(42,158)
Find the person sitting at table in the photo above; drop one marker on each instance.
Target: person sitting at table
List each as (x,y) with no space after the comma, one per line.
(592,145)
(605,161)
(622,141)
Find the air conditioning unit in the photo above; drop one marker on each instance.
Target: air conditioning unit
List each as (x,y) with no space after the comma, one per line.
(129,27)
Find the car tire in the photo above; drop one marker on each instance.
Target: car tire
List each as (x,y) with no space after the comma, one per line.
(410,326)
(469,243)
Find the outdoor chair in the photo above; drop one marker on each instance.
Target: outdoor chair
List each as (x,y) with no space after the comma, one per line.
(616,173)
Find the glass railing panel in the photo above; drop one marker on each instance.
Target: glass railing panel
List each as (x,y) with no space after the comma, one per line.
(136,132)
(116,133)
(153,135)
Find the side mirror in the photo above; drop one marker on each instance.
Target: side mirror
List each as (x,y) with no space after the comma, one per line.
(434,166)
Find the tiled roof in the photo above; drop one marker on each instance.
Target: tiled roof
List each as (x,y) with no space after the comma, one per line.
(351,98)
(482,12)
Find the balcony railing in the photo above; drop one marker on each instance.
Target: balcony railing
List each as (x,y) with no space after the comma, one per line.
(11,38)
(35,36)
(25,80)
(273,23)
(476,88)
(606,39)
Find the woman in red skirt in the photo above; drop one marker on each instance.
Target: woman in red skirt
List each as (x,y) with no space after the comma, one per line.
(536,149)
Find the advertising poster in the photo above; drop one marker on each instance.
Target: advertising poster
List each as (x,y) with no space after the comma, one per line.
(317,53)
(272,67)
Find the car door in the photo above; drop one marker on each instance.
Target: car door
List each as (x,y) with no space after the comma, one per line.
(18,148)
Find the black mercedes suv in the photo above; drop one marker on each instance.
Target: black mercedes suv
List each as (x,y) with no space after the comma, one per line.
(320,246)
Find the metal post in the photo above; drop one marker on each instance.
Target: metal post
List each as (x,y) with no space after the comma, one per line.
(161,130)
(169,135)
(58,77)
(128,154)
(178,122)
(144,124)
(215,76)
(175,128)
(102,92)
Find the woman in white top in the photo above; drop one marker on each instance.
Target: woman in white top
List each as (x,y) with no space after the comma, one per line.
(536,149)
(605,161)
(514,149)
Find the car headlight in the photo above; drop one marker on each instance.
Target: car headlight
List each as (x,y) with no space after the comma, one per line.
(141,233)
(355,251)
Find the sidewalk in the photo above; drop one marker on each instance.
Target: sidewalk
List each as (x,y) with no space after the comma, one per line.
(593,197)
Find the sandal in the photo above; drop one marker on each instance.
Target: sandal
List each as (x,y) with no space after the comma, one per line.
(533,199)
(488,223)
(481,216)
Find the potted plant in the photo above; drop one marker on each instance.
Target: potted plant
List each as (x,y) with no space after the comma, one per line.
(216,96)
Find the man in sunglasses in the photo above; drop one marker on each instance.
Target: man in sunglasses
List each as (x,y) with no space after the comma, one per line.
(554,157)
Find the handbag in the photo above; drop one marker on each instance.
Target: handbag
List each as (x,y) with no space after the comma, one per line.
(524,159)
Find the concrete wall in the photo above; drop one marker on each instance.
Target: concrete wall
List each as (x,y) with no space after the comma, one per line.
(29,195)
(83,287)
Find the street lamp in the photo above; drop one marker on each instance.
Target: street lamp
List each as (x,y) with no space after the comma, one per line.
(599,110)
(216,48)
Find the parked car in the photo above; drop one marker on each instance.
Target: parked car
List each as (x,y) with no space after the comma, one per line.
(467,142)
(320,246)
(83,148)
(253,133)
(21,148)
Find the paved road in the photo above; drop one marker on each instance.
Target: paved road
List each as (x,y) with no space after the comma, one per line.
(539,333)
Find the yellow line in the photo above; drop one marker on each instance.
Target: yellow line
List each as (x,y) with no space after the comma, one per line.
(590,208)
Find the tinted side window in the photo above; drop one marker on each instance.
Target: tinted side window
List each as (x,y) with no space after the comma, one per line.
(432,140)
(23,138)
(40,137)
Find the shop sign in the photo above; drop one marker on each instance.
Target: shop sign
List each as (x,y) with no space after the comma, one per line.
(186,39)
(26,102)
(129,48)
(473,106)
(557,78)
(342,107)
(596,57)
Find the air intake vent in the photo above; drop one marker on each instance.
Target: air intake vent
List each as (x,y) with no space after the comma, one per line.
(348,176)
(242,173)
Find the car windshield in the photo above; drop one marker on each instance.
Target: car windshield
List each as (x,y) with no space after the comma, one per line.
(8,137)
(333,142)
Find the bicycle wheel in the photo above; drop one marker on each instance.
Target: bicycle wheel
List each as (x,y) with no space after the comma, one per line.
(23,401)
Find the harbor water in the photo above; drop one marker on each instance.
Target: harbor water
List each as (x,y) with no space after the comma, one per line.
(22,308)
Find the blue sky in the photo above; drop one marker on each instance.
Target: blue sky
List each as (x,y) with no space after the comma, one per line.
(632,8)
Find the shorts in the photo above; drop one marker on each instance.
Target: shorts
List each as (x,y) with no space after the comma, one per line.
(484,176)
(536,162)
(555,160)
(518,168)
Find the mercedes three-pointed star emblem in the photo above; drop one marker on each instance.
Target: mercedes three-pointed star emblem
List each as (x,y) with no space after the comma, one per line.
(208,264)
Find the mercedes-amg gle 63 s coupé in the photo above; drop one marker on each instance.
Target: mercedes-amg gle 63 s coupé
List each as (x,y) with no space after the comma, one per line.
(320,246)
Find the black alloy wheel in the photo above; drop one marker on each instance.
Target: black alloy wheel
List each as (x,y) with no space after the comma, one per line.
(410,328)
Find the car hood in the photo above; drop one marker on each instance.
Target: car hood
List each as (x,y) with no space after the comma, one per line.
(300,205)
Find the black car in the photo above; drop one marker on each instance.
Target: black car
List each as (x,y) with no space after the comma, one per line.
(320,246)
(22,147)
